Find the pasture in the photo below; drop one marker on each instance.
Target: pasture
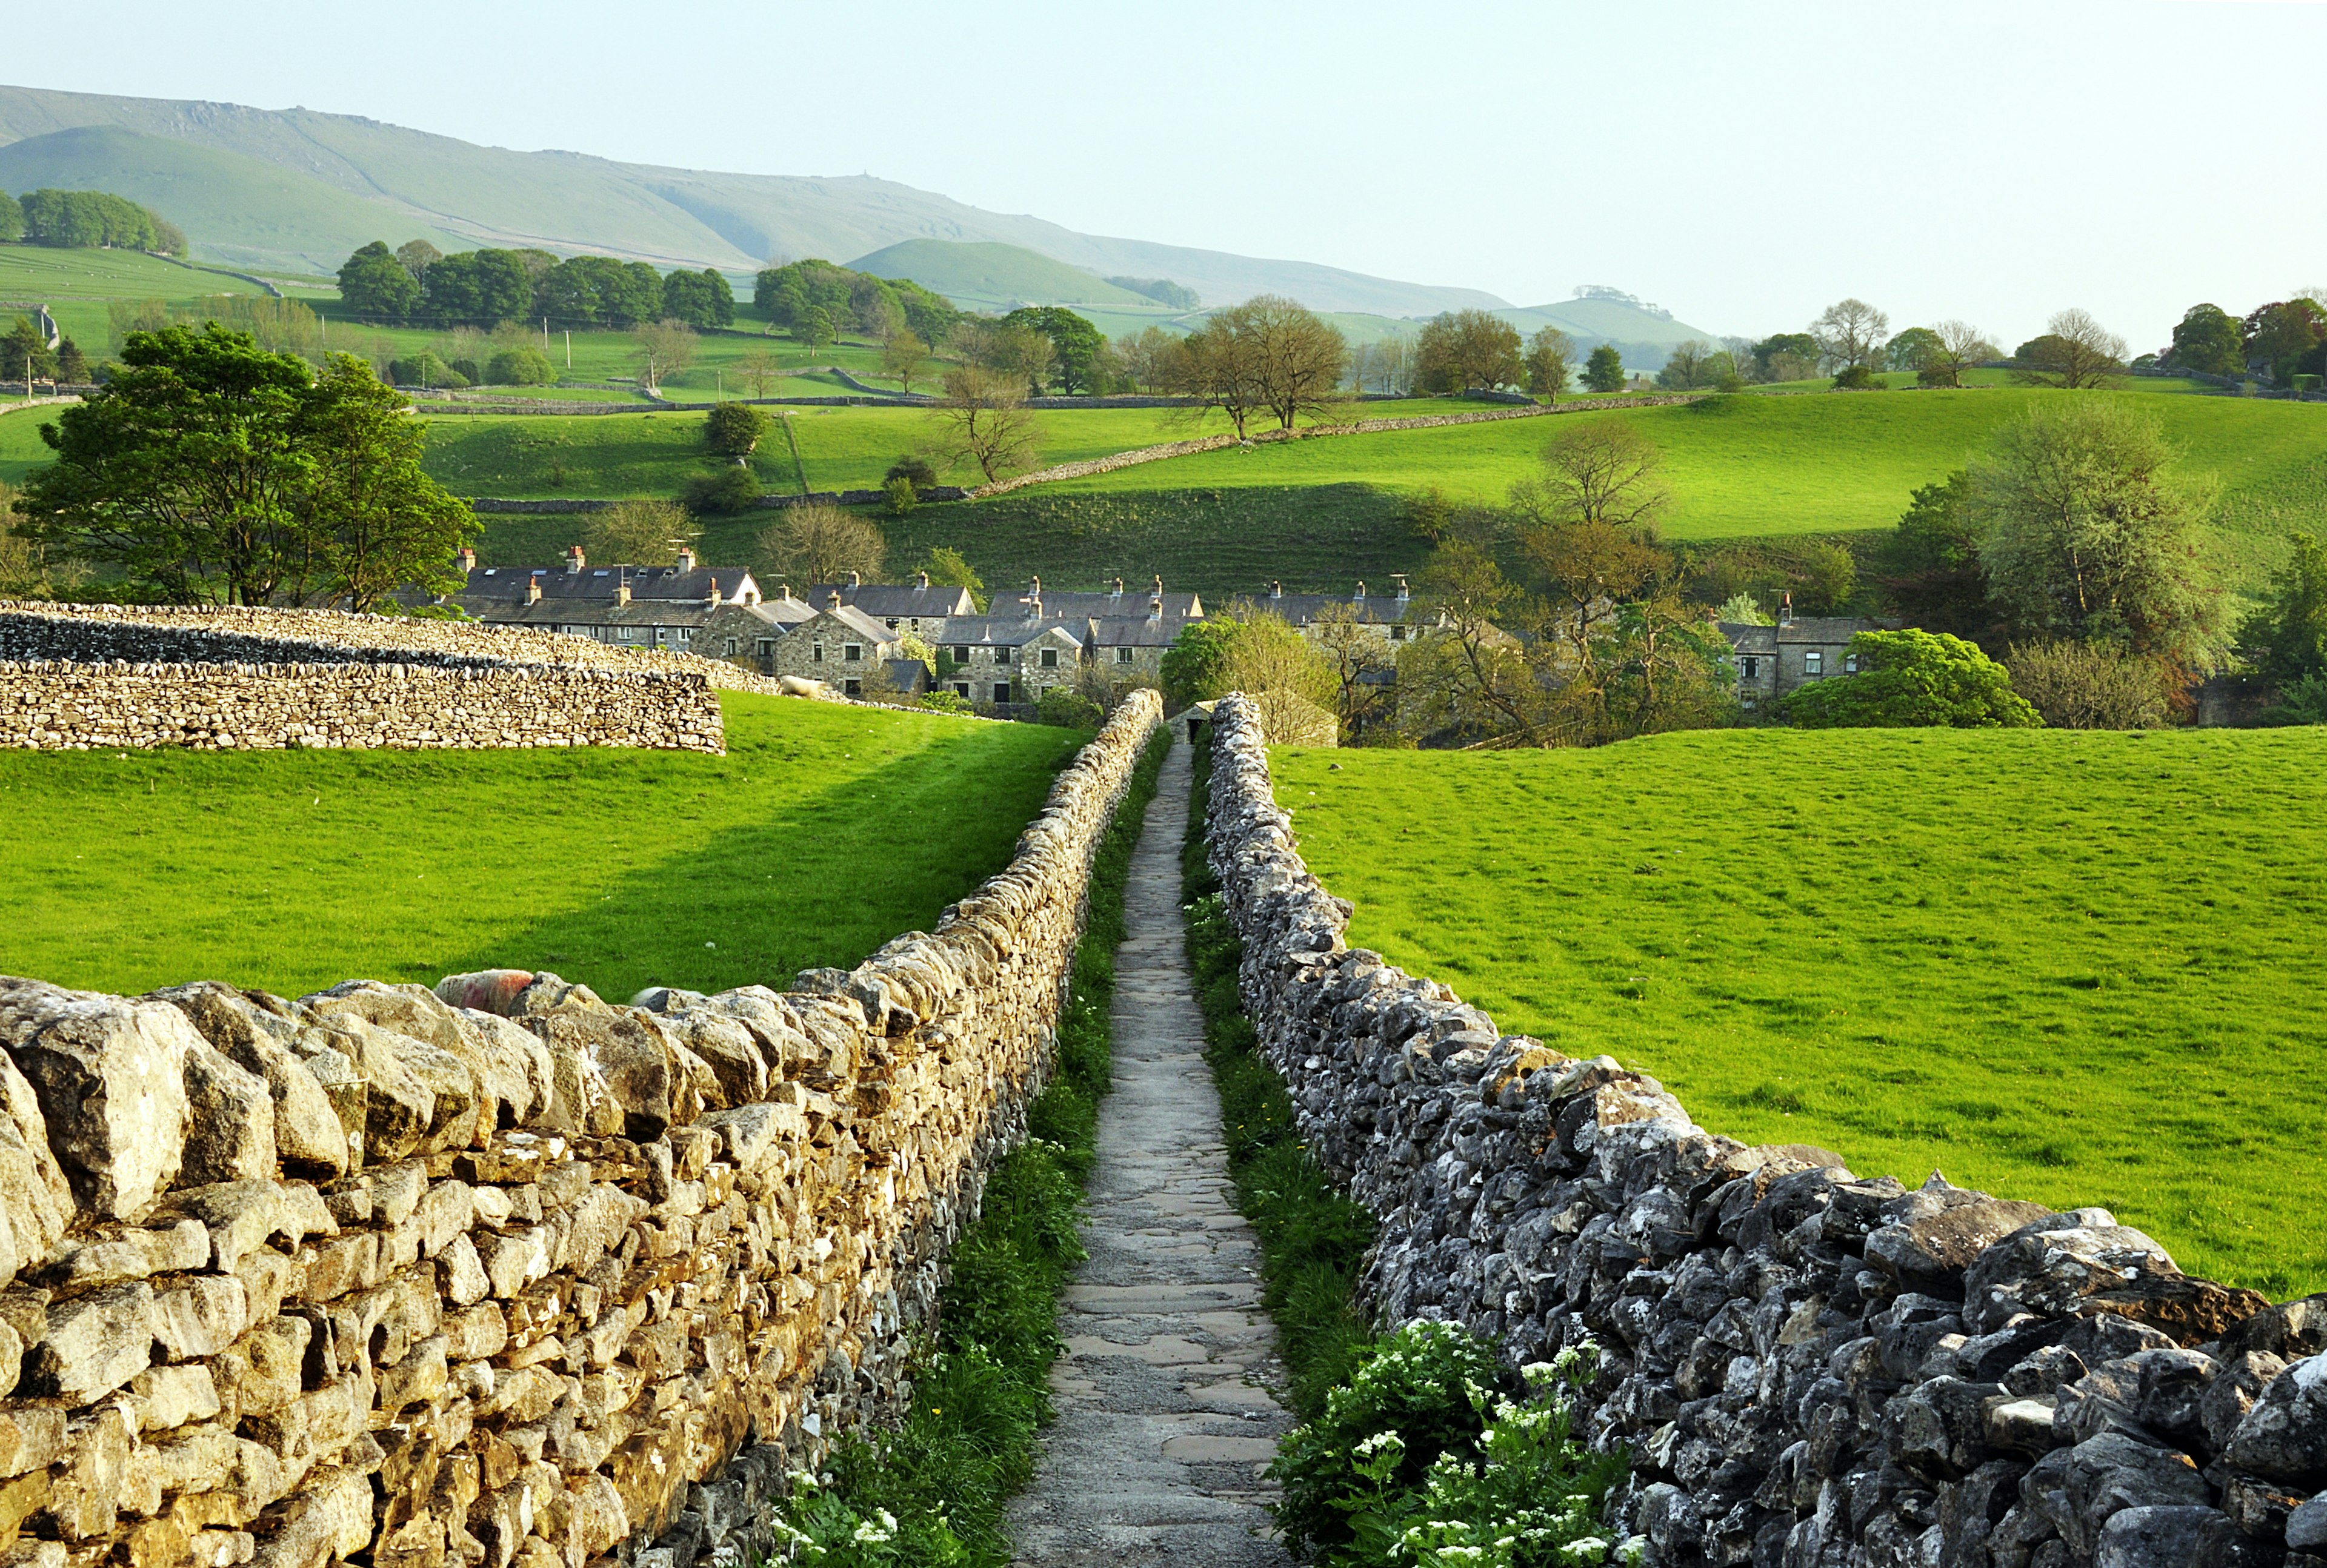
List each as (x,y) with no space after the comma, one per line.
(2068,966)
(822,833)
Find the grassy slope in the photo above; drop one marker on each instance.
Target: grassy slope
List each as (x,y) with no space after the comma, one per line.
(1807,465)
(989,269)
(824,832)
(2061,966)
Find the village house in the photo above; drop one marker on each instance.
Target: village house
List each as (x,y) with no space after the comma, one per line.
(747,634)
(1392,617)
(627,606)
(1112,603)
(1773,660)
(1006,659)
(838,644)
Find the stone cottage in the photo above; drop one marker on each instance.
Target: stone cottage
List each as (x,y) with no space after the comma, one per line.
(627,606)
(838,644)
(1773,660)
(1008,659)
(900,606)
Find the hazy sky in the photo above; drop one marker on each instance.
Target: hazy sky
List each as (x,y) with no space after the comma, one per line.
(1742,164)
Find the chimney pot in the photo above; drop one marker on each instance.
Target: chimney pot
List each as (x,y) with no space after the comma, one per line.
(533,589)
(1786,611)
(575,560)
(1361,589)
(1119,587)
(832,600)
(1275,589)
(468,559)
(854,581)
(621,593)
(1399,578)
(714,591)
(687,557)
(921,580)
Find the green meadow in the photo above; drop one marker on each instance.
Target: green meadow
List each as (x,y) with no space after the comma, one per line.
(2074,967)
(822,833)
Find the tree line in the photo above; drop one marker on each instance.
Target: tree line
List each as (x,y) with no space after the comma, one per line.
(2283,342)
(88,220)
(417,284)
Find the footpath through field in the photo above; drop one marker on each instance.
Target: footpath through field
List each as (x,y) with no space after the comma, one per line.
(1165,1415)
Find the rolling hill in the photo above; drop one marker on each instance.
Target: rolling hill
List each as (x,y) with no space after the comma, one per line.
(279,217)
(989,272)
(567,202)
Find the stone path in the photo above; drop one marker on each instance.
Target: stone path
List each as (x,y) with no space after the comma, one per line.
(1165,1415)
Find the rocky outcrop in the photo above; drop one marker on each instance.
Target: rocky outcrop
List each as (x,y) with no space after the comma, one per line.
(499,1272)
(1812,1369)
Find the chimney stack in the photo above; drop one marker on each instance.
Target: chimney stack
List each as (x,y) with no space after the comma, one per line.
(1155,608)
(621,592)
(1399,578)
(713,596)
(1118,588)
(921,580)
(832,599)
(1276,590)
(687,557)
(1786,611)
(575,560)
(1361,589)
(468,559)
(784,591)
(533,589)
(854,581)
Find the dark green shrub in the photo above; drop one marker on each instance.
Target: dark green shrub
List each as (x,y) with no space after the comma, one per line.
(1856,378)
(425,370)
(734,430)
(915,470)
(727,491)
(520,367)
(1068,710)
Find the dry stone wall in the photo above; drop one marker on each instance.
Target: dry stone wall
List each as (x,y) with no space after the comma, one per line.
(74,675)
(499,1274)
(1812,1369)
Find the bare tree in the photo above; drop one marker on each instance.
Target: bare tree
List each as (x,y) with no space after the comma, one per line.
(639,533)
(1215,366)
(2075,352)
(1960,346)
(1597,470)
(1849,333)
(1146,357)
(983,419)
(417,256)
(757,369)
(817,542)
(903,355)
(1267,355)
(1357,654)
(661,349)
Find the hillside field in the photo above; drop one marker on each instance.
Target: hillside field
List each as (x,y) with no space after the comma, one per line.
(822,833)
(2068,966)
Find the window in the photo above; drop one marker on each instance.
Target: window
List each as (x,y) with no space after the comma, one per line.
(1850,664)
(1050,659)
(1001,656)
(1752,669)
(851,653)
(852,687)
(686,635)
(1002,691)
(961,689)
(892,623)
(816,654)
(1123,656)
(1814,663)
(767,646)
(1397,634)
(727,647)
(961,654)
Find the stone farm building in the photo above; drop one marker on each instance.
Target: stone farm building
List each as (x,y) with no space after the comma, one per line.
(1773,660)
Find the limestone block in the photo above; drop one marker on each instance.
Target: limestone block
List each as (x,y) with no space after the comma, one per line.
(231,1126)
(32,1438)
(201,1316)
(596,1518)
(261,1373)
(517,1070)
(462,1273)
(36,1203)
(419,1378)
(130,1255)
(109,1076)
(447,1211)
(171,1396)
(83,1493)
(238,1217)
(329,1518)
(253,1030)
(94,1344)
(2284,1437)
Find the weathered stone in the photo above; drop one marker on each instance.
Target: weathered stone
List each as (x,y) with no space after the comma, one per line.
(464,1280)
(253,1030)
(331,1517)
(2306,1526)
(94,1344)
(171,1396)
(237,1216)
(2284,1437)
(230,1121)
(1932,1249)
(84,1492)
(129,1255)
(109,1076)
(2177,1537)
(201,1316)
(32,1438)
(2050,1266)
(2112,1472)
(36,1203)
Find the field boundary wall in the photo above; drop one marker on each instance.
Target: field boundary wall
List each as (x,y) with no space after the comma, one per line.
(497,1273)
(1122,460)
(1809,1369)
(287,678)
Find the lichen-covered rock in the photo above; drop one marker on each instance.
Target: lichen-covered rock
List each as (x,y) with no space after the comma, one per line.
(109,1075)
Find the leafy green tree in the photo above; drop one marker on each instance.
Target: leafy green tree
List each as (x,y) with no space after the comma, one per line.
(2286,336)
(12,218)
(377,523)
(700,299)
(1929,568)
(1196,665)
(902,357)
(1786,357)
(1908,680)
(1604,371)
(25,353)
(209,470)
(425,370)
(1550,361)
(375,285)
(1687,366)
(1074,343)
(1460,349)
(87,219)
(2287,635)
(417,256)
(734,430)
(813,330)
(479,286)
(72,366)
(521,366)
(2209,341)
(2090,534)
(950,567)
(1912,349)
(725,492)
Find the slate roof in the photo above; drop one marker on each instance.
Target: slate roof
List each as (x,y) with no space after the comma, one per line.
(1803,630)
(659,582)
(1003,631)
(1301,609)
(902,599)
(1133,599)
(1132,631)
(847,619)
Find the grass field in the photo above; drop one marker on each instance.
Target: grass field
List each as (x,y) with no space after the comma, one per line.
(2071,967)
(824,832)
